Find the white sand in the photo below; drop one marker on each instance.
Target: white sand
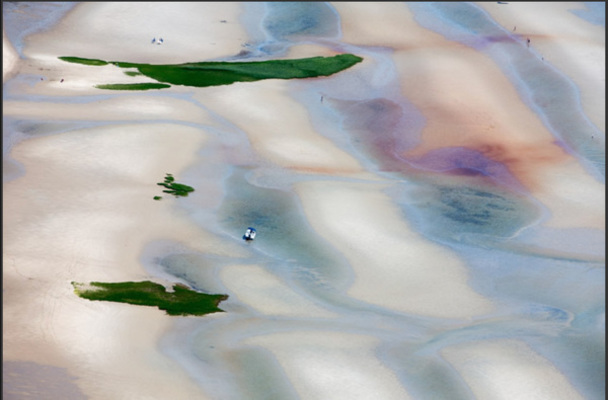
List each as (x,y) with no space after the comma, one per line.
(123,31)
(395,267)
(508,369)
(332,365)
(279,128)
(10,58)
(266,294)
(133,107)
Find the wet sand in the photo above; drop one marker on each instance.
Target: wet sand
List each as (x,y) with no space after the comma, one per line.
(419,215)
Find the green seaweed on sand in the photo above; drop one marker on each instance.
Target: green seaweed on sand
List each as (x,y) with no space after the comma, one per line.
(133,86)
(85,61)
(212,73)
(182,301)
(177,189)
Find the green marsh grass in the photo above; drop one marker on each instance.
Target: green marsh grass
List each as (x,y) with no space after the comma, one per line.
(182,301)
(133,86)
(213,73)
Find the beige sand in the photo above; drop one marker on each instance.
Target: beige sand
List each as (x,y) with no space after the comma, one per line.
(395,267)
(265,293)
(119,31)
(333,365)
(508,369)
(279,128)
(133,107)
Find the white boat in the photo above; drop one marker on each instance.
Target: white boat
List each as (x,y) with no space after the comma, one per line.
(249,234)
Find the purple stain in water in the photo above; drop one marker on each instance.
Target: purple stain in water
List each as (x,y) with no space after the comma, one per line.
(464,161)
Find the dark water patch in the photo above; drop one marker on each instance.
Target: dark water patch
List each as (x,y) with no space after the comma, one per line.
(551,94)
(273,27)
(296,20)
(284,236)
(464,213)
(425,376)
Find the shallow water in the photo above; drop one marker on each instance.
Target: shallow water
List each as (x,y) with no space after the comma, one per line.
(547,284)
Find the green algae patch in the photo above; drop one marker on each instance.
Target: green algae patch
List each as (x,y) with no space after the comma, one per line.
(133,86)
(174,188)
(182,301)
(214,73)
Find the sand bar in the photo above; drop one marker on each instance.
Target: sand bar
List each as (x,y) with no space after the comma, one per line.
(508,369)
(395,267)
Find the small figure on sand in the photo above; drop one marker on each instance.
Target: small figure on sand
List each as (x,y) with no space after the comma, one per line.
(159,41)
(61,80)
(528,41)
(514,28)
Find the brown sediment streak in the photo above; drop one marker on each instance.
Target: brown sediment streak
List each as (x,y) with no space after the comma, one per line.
(450,87)
(509,163)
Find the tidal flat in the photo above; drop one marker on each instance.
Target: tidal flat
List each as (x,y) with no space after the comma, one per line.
(430,220)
